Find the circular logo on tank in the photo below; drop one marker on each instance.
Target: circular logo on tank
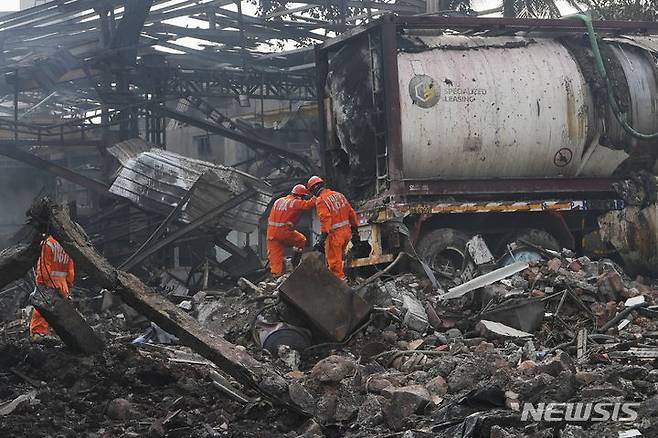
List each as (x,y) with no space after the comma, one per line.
(424,91)
(563,157)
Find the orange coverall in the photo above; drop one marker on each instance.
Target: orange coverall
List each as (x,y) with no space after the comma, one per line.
(280,232)
(54,269)
(337,217)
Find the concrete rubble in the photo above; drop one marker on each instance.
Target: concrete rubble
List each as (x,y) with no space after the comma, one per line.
(408,363)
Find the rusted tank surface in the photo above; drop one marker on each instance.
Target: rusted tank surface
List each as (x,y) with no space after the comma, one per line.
(508,108)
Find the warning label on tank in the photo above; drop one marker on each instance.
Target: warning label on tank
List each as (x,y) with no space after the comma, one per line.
(424,91)
(563,157)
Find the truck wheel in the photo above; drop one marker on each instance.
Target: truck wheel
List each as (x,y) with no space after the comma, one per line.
(444,250)
(525,251)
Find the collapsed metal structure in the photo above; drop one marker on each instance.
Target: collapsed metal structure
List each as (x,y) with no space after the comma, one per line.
(79,76)
(103,65)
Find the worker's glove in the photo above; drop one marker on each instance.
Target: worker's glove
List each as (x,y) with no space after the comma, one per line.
(319,245)
(356,238)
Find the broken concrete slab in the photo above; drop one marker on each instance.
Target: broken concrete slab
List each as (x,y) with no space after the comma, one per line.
(404,402)
(327,303)
(437,386)
(496,330)
(66,321)
(407,400)
(610,285)
(415,318)
(333,369)
(601,391)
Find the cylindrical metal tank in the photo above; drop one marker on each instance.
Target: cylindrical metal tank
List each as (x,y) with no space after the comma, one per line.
(474,107)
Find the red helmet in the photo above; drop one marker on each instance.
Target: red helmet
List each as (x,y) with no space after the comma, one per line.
(313,181)
(299,190)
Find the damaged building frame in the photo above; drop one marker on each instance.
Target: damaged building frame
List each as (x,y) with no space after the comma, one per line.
(80,77)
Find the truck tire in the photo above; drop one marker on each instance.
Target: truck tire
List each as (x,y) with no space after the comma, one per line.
(533,236)
(444,250)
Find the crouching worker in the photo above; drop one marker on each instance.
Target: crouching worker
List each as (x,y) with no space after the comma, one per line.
(338,224)
(281,233)
(54,270)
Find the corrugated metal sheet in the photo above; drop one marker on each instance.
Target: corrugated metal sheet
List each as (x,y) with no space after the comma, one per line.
(157,180)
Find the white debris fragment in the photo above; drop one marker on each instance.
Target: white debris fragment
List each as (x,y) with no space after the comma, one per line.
(635,301)
(479,251)
(416,317)
(496,329)
(484,280)
(185,305)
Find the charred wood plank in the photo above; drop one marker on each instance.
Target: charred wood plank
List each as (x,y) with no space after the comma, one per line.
(67,322)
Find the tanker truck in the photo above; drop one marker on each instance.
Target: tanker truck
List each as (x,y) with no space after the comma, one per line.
(516,130)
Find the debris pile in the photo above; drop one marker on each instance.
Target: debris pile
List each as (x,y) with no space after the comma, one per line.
(127,391)
(496,352)
(563,330)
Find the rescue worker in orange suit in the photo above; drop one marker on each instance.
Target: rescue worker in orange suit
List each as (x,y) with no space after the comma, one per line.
(281,233)
(54,269)
(338,223)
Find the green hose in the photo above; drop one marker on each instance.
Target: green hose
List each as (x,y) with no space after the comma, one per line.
(621,118)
